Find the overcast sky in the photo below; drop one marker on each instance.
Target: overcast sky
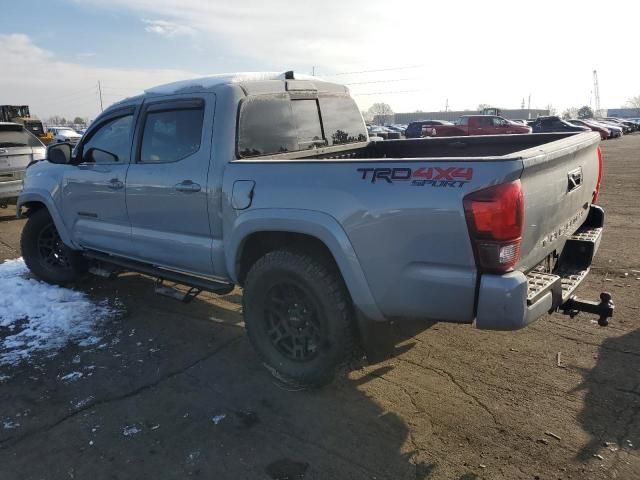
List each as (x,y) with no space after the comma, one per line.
(414,55)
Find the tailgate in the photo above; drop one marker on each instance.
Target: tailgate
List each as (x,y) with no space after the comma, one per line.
(558,182)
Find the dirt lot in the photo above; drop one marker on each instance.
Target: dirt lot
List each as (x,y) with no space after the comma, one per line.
(176,391)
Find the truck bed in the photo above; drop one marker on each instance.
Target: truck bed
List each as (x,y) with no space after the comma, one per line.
(421,262)
(435,147)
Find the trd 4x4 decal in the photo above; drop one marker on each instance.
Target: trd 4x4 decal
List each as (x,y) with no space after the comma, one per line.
(432,176)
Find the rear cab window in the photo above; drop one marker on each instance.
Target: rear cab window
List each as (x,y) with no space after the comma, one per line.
(342,120)
(277,124)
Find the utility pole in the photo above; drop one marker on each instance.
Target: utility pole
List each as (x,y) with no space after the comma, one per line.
(522,104)
(529,107)
(446,105)
(100,92)
(596,93)
(313,71)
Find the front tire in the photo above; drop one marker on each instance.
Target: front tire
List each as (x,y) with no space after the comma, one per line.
(298,317)
(44,253)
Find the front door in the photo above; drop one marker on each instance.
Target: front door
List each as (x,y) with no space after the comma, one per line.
(93,194)
(166,186)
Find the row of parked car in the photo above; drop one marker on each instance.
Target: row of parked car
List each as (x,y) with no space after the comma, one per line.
(609,127)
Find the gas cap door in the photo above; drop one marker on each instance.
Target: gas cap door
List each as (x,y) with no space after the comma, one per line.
(242,194)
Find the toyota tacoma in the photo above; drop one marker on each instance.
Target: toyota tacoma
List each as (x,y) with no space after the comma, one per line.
(270,182)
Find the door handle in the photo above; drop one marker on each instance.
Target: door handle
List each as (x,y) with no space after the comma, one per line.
(115,184)
(188,186)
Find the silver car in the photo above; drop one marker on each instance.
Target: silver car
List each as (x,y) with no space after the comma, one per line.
(18,148)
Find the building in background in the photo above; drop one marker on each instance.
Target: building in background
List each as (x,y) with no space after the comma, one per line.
(623,112)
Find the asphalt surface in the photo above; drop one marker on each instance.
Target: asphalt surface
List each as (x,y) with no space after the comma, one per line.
(175,390)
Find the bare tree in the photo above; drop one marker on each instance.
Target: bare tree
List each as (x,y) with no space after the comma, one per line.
(54,120)
(571,112)
(380,111)
(634,102)
(367,116)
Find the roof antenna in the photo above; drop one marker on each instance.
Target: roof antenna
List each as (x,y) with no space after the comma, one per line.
(288,75)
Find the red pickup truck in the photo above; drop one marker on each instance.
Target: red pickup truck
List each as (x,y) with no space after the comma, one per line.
(476,125)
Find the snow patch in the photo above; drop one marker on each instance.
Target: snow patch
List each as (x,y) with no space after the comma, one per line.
(10,424)
(71,377)
(131,430)
(36,317)
(83,403)
(218,418)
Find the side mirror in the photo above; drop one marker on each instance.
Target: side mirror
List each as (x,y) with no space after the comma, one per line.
(60,153)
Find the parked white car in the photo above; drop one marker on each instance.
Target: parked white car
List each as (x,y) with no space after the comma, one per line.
(64,134)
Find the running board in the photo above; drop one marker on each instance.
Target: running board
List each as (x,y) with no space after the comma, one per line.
(196,283)
(172,292)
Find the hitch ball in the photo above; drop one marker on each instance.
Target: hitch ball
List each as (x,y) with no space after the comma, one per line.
(607,309)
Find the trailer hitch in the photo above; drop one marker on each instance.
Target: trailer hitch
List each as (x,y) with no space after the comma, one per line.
(604,309)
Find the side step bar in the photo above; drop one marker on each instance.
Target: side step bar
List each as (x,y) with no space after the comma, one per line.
(161,274)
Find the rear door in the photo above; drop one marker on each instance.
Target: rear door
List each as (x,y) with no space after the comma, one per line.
(93,199)
(166,186)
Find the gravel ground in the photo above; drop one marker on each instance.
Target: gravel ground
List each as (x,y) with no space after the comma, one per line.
(173,390)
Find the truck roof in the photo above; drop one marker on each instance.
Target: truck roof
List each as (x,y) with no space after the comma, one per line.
(262,82)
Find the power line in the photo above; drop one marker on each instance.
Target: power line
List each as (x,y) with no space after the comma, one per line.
(77,93)
(390,92)
(373,71)
(382,81)
(60,101)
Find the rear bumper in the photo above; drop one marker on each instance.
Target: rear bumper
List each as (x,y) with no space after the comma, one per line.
(514,300)
(10,189)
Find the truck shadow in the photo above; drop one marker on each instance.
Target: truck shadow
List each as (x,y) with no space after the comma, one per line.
(611,412)
(171,388)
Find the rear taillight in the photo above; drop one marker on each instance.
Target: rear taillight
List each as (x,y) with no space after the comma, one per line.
(495,218)
(596,192)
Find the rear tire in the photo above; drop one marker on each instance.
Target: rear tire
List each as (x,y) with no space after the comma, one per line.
(298,317)
(44,253)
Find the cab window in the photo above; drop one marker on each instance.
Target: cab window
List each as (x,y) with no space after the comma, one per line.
(110,142)
(171,135)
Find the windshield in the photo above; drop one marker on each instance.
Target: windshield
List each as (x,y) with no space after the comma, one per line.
(16,136)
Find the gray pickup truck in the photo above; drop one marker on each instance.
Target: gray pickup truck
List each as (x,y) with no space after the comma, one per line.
(270,182)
